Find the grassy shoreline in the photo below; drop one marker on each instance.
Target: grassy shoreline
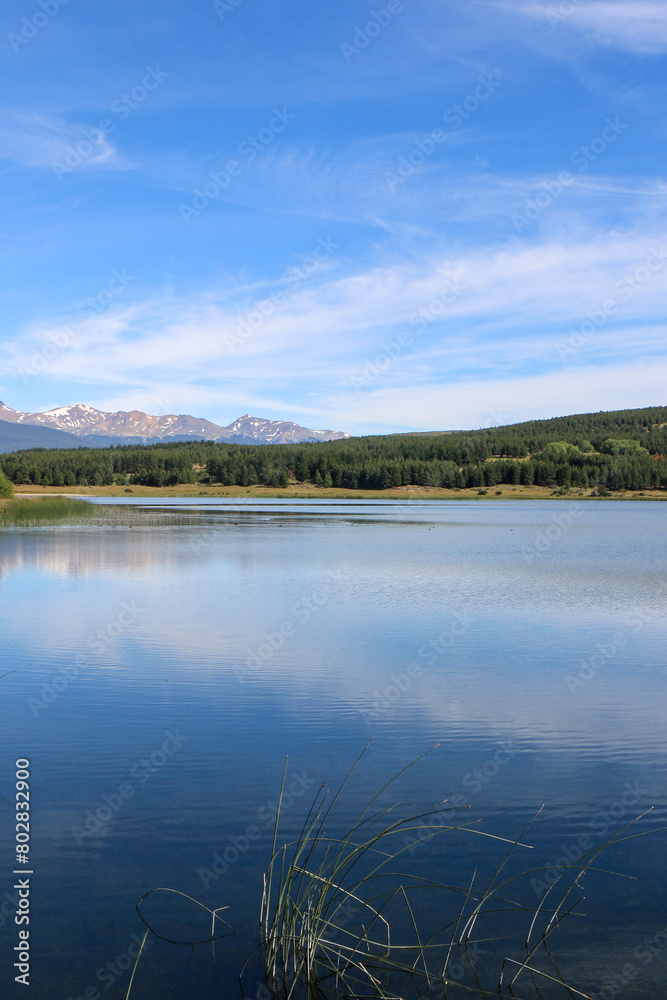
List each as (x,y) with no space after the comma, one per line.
(303,492)
(23,509)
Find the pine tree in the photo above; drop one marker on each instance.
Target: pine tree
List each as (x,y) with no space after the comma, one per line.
(6,487)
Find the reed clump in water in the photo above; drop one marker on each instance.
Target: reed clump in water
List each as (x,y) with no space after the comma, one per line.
(24,510)
(340,921)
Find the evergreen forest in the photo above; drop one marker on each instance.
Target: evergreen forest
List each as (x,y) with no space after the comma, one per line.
(608,451)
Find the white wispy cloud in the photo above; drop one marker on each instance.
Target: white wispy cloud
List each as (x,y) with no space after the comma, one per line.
(478,402)
(370,183)
(639,26)
(512,306)
(30,139)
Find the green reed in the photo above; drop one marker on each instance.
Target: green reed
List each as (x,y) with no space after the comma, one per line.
(338,921)
(22,510)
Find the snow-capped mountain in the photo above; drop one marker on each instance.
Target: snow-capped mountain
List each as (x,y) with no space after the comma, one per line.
(84,421)
(81,419)
(278,431)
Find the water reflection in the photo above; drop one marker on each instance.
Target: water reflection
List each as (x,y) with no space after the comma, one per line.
(255,633)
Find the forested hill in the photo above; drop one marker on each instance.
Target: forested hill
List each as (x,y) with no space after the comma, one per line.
(622,449)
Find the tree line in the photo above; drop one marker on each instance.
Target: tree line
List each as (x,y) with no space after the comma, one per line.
(619,450)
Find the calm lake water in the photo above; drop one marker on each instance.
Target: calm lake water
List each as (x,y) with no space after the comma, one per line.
(174,652)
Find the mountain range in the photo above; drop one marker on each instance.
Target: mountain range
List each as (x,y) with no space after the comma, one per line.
(81,426)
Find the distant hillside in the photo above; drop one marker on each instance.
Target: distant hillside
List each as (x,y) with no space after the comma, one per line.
(13,437)
(618,450)
(18,437)
(552,428)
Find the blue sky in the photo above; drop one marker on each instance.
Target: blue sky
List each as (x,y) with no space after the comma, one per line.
(414,214)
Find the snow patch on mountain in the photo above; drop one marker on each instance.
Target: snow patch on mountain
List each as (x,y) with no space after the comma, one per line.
(81,419)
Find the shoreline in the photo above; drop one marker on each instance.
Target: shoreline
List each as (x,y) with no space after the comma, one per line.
(300,492)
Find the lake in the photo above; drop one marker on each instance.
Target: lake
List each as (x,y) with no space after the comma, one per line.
(174,652)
